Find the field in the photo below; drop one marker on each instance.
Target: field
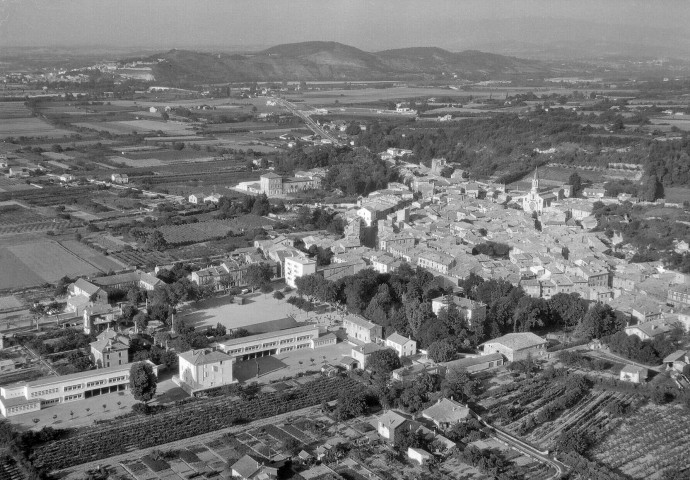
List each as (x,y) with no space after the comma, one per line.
(17,215)
(259,309)
(16,121)
(12,185)
(195,232)
(647,442)
(38,262)
(140,126)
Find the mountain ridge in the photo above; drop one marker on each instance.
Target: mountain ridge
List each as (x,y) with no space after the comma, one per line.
(318,60)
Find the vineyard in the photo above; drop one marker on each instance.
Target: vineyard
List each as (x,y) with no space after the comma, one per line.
(183,421)
(143,257)
(195,232)
(647,442)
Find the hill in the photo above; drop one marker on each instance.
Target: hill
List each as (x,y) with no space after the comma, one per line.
(335,61)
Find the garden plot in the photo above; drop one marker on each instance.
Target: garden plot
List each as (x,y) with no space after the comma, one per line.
(650,440)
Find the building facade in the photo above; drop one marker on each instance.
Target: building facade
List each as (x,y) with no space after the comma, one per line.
(296,267)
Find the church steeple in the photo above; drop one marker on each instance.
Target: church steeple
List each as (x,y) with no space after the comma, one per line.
(535,181)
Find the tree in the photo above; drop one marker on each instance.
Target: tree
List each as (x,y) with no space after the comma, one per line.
(258,275)
(653,189)
(442,351)
(142,381)
(567,309)
(459,384)
(278,295)
(600,321)
(352,402)
(573,441)
(383,362)
(156,241)
(529,313)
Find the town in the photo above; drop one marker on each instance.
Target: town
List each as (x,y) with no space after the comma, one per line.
(466,272)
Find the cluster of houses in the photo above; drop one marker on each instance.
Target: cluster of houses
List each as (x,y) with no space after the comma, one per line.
(274,185)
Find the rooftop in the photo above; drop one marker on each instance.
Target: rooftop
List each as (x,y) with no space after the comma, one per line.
(518,341)
(447,411)
(204,356)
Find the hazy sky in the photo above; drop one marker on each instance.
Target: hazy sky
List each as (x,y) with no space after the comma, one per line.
(367,24)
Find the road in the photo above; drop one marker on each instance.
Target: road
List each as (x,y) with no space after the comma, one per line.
(304,115)
(529,450)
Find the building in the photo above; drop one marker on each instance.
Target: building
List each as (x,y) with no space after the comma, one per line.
(446,413)
(650,330)
(205,368)
(119,178)
(475,364)
(197,198)
(99,317)
(391,422)
(125,281)
(679,295)
(362,330)
(439,262)
(249,468)
(296,267)
(273,343)
(360,355)
(273,184)
(385,263)
(110,349)
(404,346)
(419,455)
(472,310)
(37,394)
(535,201)
(516,346)
(633,374)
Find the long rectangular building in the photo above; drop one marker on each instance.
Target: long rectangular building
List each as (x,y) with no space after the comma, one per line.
(37,394)
(272,343)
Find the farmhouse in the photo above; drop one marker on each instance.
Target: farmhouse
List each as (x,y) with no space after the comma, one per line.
(197,198)
(516,346)
(37,394)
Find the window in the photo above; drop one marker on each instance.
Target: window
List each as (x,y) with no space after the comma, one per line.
(216,368)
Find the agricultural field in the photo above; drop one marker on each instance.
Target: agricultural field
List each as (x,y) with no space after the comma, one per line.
(12,185)
(653,438)
(16,121)
(196,232)
(137,258)
(127,127)
(15,214)
(34,263)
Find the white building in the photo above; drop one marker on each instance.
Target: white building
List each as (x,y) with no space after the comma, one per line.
(296,267)
(402,345)
(37,394)
(516,346)
(205,368)
(274,343)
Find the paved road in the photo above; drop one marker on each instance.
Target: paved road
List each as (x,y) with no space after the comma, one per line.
(529,450)
(307,120)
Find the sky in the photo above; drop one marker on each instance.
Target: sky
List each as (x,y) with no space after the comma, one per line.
(499,25)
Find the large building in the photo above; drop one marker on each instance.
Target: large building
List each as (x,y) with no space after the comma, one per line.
(273,343)
(110,349)
(296,267)
(534,201)
(205,368)
(37,394)
(516,346)
(273,184)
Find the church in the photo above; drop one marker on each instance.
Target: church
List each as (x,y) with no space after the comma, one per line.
(535,201)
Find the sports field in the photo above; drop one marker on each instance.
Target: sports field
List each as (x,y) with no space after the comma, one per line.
(259,314)
(34,263)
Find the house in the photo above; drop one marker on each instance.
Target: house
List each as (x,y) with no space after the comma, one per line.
(677,360)
(362,330)
(649,330)
(213,198)
(205,368)
(411,372)
(196,198)
(633,374)
(439,262)
(472,310)
(679,295)
(446,413)
(7,366)
(418,455)
(404,346)
(249,468)
(516,346)
(110,349)
(99,317)
(360,355)
(119,178)
(390,422)
(591,192)
(297,267)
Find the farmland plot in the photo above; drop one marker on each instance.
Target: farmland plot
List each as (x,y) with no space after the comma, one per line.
(652,439)
(16,121)
(196,232)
